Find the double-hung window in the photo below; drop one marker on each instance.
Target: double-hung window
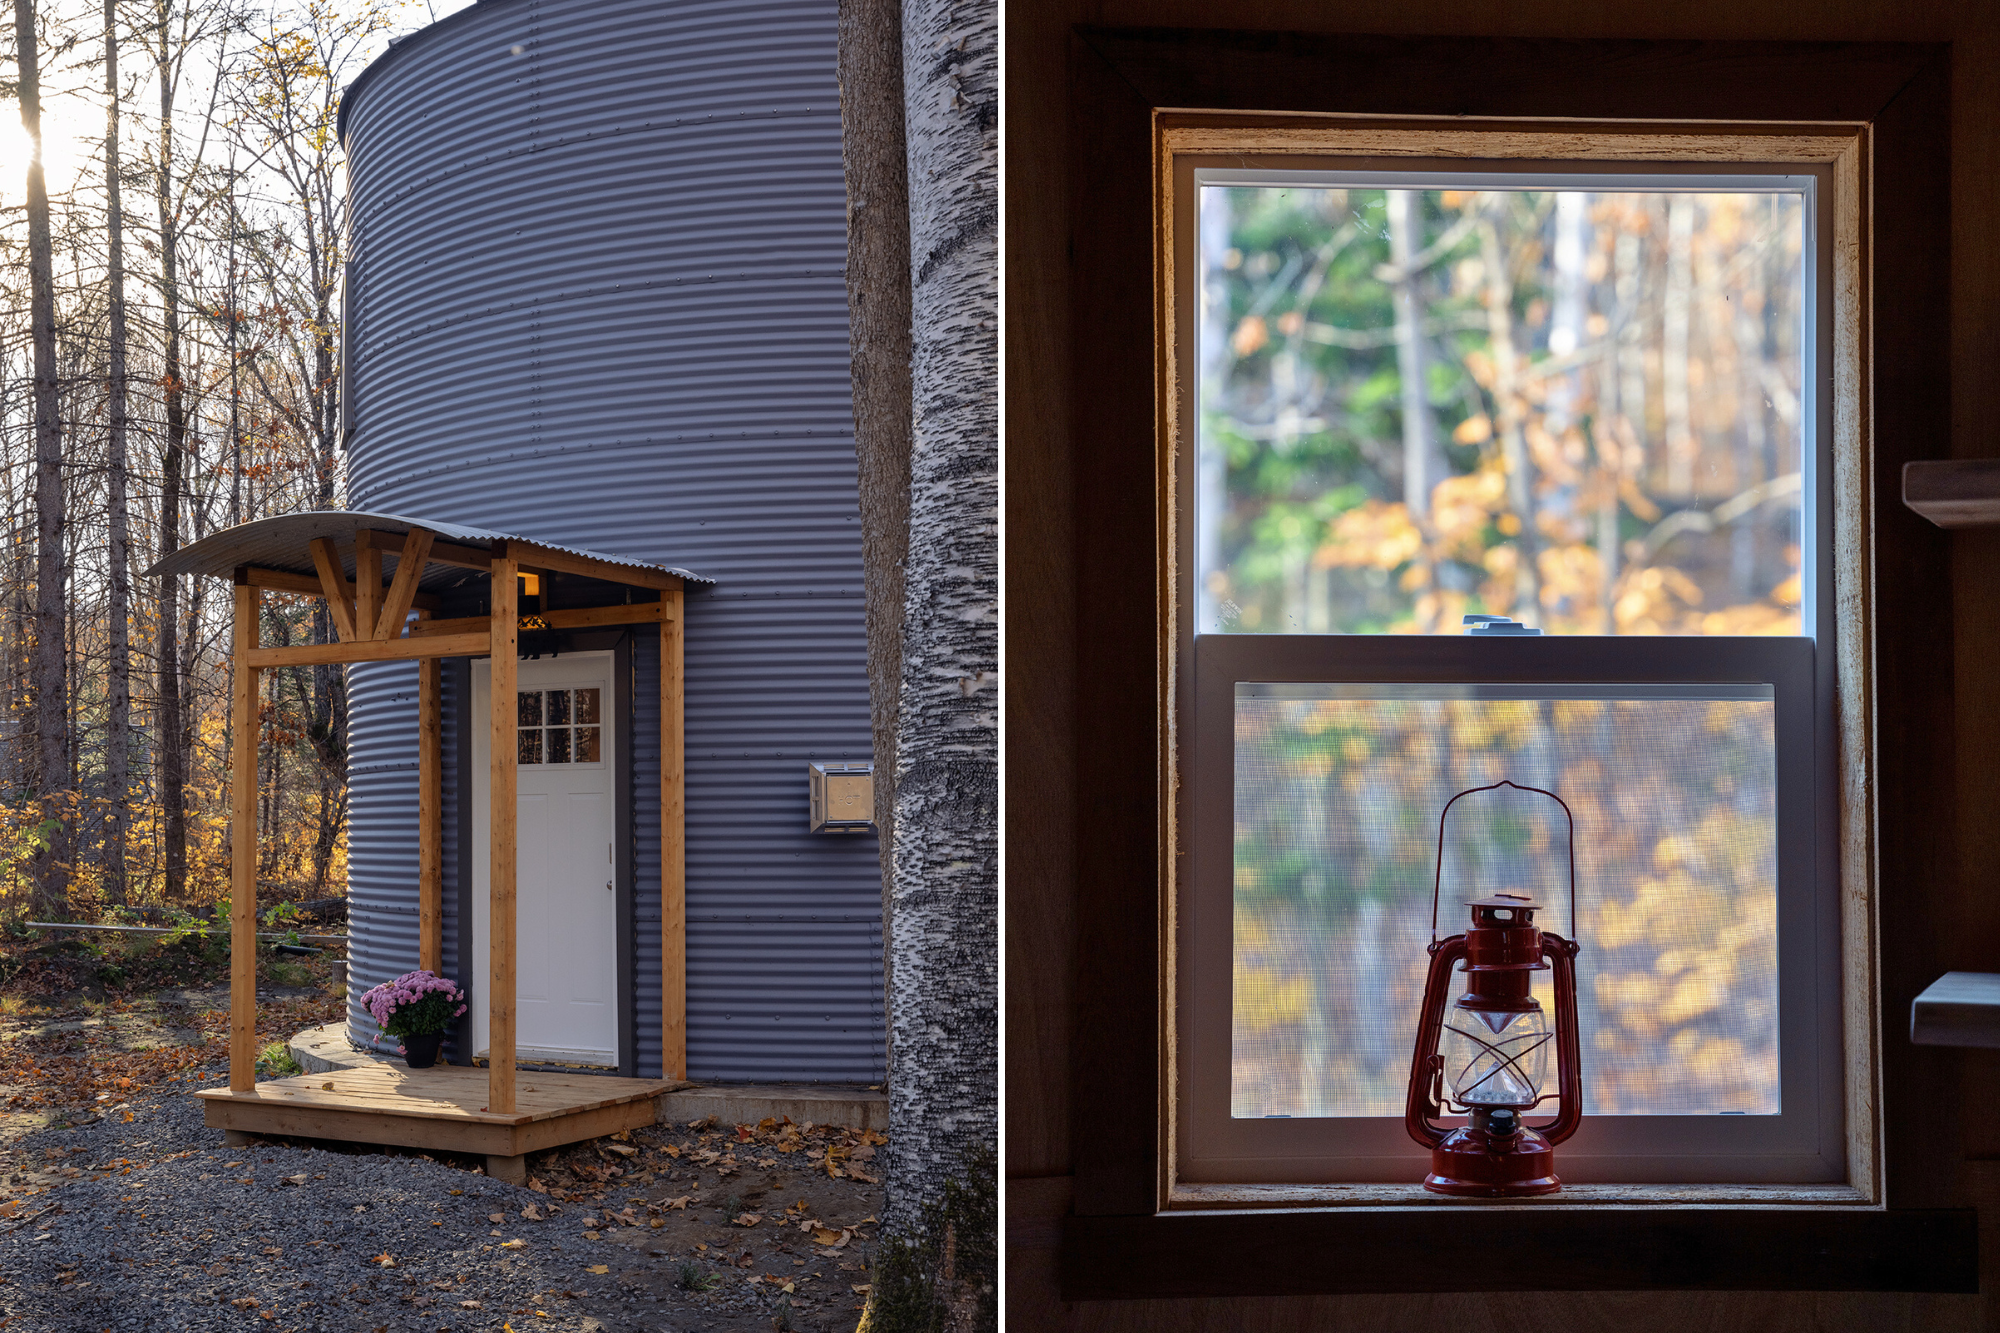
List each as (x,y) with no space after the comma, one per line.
(1412,396)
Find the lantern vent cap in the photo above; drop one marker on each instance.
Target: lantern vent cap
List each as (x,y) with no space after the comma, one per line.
(1504,898)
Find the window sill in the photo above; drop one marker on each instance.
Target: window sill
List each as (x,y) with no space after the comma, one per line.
(1572,1197)
(1536,1247)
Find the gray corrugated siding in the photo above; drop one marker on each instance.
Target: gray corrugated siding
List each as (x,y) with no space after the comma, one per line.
(596,297)
(381,832)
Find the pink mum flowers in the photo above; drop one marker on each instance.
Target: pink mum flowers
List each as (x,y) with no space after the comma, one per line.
(415,1003)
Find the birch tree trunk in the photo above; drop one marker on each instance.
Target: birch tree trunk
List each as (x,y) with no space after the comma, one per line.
(943,1013)
(118,721)
(873,152)
(50,679)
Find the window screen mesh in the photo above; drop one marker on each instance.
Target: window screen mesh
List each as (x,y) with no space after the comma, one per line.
(1338,789)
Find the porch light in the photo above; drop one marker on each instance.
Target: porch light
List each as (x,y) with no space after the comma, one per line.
(1486,1057)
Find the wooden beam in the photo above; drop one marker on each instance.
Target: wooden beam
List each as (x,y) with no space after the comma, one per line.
(501,757)
(568,562)
(284,580)
(460,557)
(373,650)
(430,815)
(334,586)
(409,568)
(367,586)
(243,845)
(673,847)
(577,617)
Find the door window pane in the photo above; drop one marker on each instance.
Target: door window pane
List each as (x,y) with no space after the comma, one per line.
(557,714)
(1580,409)
(586,707)
(528,708)
(1338,790)
(558,745)
(530,746)
(586,741)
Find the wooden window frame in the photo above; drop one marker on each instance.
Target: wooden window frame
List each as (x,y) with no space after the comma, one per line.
(1879,115)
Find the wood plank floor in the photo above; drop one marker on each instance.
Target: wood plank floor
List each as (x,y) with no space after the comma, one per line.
(443,1092)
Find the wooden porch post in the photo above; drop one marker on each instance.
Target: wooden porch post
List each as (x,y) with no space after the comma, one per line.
(502,756)
(430,816)
(243,846)
(673,846)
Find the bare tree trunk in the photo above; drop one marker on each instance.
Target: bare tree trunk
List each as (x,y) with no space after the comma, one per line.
(1674,347)
(50,670)
(1423,458)
(943,1012)
(118,724)
(878,322)
(172,741)
(1510,413)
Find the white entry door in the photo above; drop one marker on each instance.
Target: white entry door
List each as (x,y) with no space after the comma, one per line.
(566,968)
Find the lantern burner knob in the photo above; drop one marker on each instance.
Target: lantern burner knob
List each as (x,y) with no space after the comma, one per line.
(1497,1122)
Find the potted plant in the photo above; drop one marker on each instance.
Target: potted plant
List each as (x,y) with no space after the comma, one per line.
(417,1006)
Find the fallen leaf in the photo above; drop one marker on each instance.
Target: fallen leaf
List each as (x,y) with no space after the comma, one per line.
(656,1224)
(496,1217)
(598,1268)
(299,1179)
(532,1213)
(470,1305)
(512,1244)
(272,1249)
(747,1219)
(680,1203)
(9,1208)
(387,1261)
(672,1150)
(856,1173)
(593,1235)
(326,1087)
(860,1288)
(622,1149)
(454,1191)
(245,1302)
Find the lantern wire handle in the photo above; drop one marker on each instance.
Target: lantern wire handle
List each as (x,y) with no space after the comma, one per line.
(1437,884)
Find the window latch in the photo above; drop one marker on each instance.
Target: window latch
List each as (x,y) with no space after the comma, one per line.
(1496,625)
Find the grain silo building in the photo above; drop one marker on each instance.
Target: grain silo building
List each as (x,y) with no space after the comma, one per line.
(595,299)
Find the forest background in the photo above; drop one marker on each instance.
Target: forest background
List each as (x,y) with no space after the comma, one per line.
(186,218)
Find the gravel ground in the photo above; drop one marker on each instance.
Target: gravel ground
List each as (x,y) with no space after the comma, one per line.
(141,1220)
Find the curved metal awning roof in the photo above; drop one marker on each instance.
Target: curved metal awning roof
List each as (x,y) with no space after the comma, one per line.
(284,542)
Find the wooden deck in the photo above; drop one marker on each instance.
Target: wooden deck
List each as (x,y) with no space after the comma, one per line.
(442,1108)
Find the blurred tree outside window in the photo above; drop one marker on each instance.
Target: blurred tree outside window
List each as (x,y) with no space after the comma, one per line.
(1580,409)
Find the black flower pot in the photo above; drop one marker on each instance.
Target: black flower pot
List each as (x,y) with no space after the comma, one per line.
(421,1051)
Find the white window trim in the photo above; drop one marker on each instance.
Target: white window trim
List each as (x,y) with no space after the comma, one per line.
(1836,549)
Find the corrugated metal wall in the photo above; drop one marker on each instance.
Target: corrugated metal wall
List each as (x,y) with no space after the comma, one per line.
(596,296)
(381,833)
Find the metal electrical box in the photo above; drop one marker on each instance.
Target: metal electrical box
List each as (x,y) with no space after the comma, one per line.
(843,798)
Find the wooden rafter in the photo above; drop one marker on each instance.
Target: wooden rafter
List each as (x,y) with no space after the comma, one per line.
(339,593)
(409,568)
(537,556)
(367,586)
(578,617)
(308,585)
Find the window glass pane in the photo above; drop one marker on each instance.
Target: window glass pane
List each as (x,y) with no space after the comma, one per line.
(586,706)
(528,709)
(559,745)
(530,746)
(586,742)
(558,708)
(1338,789)
(1578,409)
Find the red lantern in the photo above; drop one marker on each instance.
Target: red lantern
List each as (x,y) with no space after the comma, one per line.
(1496,1043)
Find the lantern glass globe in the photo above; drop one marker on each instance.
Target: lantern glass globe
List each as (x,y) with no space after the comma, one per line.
(1496,1057)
